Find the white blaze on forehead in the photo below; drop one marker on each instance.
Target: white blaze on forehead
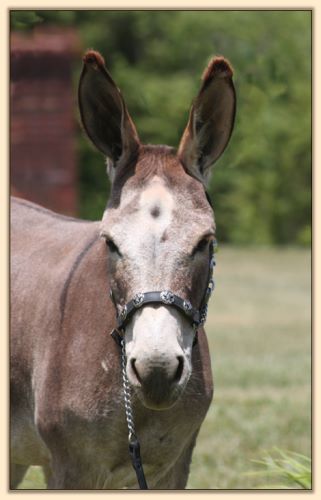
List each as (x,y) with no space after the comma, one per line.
(146,219)
(145,230)
(137,227)
(157,199)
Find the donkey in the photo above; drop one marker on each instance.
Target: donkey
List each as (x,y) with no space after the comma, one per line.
(67,398)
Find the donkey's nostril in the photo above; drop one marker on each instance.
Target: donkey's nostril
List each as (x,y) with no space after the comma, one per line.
(133,363)
(179,370)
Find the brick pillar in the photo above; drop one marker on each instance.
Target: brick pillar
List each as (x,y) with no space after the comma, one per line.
(42,119)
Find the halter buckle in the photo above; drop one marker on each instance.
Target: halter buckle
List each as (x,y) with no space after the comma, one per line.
(123,313)
(117,336)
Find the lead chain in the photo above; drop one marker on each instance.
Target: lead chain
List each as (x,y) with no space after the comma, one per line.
(127,398)
(134,446)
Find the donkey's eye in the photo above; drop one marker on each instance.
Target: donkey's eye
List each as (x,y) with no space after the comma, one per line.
(201,245)
(112,246)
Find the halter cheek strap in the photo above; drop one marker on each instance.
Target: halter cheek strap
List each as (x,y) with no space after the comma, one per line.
(196,317)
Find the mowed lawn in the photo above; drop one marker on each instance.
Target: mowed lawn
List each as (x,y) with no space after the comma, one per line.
(259,330)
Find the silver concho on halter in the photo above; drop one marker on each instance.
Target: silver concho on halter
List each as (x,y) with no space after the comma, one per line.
(138,299)
(187,306)
(123,313)
(203,315)
(211,286)
(167,297)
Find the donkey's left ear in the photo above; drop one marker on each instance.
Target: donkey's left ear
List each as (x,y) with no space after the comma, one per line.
(103,111)
(211,120)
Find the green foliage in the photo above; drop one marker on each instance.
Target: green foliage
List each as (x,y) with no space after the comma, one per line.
(292,469)
(261,187)
(24,19)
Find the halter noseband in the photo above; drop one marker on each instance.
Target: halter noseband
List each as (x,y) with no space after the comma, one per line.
(196,317)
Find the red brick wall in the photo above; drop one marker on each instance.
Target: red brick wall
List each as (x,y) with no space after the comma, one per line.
(42,153)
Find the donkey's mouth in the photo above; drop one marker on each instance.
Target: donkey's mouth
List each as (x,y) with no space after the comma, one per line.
(157,391)
(159,399)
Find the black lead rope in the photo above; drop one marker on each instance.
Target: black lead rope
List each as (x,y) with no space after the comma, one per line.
(134,451)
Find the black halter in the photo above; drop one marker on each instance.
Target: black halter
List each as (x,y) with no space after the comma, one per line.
(196,317)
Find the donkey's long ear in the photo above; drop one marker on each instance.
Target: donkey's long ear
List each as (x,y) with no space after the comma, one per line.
(103,111)
(211,120)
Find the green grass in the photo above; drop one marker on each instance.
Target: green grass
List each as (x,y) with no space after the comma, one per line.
(292,470)
(259,333)
(34,479)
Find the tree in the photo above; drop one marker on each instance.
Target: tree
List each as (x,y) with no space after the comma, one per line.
(261,186)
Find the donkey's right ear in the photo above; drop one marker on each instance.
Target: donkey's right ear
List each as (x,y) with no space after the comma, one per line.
(103,111)
(211,120)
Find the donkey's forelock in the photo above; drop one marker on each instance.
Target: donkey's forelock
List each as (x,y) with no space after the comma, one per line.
(161,162)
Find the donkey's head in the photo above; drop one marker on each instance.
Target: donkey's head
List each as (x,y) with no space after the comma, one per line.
(158,224)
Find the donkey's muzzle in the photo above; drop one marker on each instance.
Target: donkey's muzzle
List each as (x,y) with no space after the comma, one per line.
(158,384)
